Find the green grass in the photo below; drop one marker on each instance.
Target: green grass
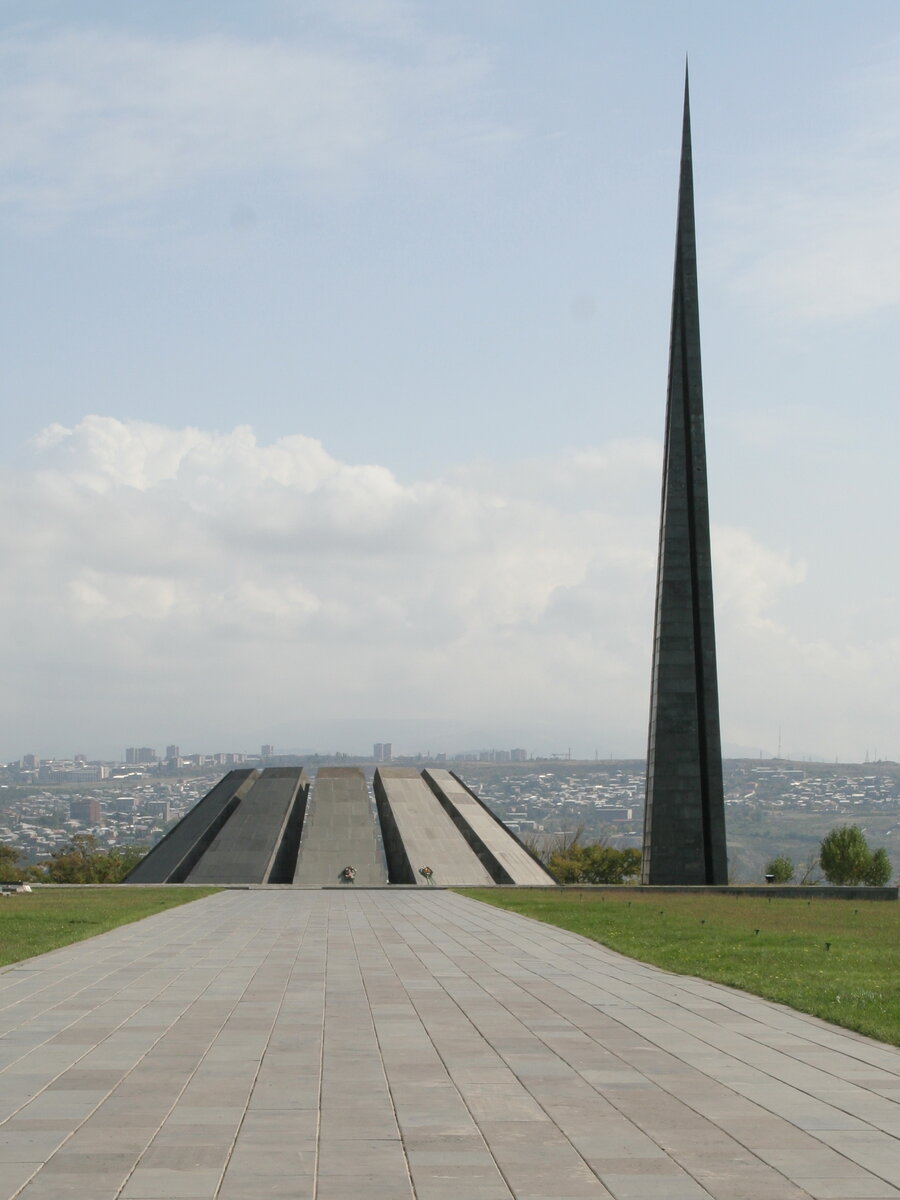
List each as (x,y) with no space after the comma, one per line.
(771,947)
(44,920)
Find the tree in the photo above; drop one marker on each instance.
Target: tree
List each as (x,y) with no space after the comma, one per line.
(879,872)
(847,860)
(11,868)
(781,869)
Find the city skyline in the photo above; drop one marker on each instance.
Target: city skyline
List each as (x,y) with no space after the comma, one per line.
(31,763)
(336,370)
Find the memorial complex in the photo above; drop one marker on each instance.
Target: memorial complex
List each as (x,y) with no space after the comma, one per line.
(269,827)
(272,827)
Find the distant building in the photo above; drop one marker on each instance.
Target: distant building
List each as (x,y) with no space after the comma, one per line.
(65,772)
(85,810)
(266,752)
(518,755)
(30,762)
(382,751)
(136,755)
(173,752)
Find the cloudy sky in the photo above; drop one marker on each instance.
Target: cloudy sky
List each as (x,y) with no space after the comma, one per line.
(334,360)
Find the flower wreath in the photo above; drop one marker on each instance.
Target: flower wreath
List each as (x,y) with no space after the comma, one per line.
(348,873)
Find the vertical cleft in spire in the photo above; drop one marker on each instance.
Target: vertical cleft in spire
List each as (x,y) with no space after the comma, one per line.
(684,821)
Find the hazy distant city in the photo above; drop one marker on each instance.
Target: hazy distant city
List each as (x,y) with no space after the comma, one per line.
(773,806)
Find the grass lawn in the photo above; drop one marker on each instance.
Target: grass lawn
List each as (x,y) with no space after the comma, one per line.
(774,948)
(44,920)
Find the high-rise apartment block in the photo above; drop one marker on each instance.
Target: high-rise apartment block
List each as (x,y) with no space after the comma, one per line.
(139,755)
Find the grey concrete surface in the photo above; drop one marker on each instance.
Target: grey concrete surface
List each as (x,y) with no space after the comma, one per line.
(333,1045)
(339,831)
(489,837)
(173,858)
(246,848)
(418,833)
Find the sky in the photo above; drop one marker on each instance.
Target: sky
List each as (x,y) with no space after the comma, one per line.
(334,351)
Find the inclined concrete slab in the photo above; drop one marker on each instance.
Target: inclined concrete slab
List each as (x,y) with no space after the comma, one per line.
(339,832)
(468,813)
(413,1043)
(418,833)
(172,858)
(246,847)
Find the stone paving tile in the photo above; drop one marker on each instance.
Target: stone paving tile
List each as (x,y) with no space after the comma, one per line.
(16,1174)
(171,1182)
(865,1187)
(335,1044)
(278,1187)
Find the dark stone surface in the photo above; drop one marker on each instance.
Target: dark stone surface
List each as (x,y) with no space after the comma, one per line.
(246,849)
(684,824)
(172,859)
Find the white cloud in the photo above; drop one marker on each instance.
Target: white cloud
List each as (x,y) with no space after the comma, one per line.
(750,578)
(93,119)
(186,582)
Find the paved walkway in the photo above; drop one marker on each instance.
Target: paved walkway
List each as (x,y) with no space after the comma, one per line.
(385,1045)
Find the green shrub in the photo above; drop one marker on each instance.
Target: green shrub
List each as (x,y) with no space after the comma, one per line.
(594,863)
(879,872)
(82,861)
(12,869)
(781,869)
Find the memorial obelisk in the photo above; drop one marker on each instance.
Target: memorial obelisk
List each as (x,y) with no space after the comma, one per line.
(684,821)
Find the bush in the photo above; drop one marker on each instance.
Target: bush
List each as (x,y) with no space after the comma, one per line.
(12,869)
(82,861)
(879,872)
(781,869)
(595,863)
(847,860)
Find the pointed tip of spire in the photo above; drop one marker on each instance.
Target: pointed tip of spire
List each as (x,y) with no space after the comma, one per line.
(686,121)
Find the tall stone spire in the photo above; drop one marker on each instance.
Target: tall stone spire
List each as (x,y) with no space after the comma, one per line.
(684,822)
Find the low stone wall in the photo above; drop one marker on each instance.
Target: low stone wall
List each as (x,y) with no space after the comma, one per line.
(783,891)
